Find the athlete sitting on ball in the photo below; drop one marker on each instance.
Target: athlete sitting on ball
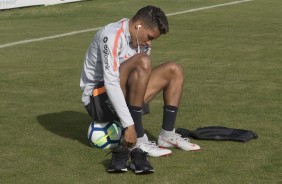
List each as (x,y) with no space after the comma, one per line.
(118,82)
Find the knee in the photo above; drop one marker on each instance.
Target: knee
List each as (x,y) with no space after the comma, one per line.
(144,63)
(176,70)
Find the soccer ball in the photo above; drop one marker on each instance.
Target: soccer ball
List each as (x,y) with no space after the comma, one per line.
(105,135)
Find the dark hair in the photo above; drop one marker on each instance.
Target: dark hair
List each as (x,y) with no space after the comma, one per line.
(152,17)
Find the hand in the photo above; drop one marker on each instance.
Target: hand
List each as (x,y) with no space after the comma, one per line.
(130,136)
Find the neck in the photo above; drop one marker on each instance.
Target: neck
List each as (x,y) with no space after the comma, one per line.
(131,27)
(132,32)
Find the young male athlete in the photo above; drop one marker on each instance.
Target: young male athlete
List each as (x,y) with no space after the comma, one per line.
(118,82)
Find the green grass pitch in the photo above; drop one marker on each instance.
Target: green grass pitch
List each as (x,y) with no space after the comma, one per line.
(233,77)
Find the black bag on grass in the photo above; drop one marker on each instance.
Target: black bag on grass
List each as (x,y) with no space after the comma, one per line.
(218,133)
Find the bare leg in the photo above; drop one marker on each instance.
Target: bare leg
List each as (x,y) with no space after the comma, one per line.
(140,83)
(168,78)
(134,78)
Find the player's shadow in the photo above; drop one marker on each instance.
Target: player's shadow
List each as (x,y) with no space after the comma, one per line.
(69,124)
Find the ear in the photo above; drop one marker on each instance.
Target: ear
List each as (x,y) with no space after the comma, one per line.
(139,25)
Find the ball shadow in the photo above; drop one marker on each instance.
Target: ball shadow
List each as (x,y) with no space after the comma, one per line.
(69,124)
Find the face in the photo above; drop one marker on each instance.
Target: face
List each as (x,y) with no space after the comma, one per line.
(145,36)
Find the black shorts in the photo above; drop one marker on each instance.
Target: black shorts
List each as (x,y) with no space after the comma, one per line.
(100,107)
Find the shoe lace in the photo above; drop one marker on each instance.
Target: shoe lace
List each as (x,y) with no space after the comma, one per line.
(152,145)
(141,157)
(179,138)
(184,139)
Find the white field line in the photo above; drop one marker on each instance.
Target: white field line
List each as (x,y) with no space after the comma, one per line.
(207,7)
(97,28)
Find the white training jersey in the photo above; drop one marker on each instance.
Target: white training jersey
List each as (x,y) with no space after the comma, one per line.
(109,48)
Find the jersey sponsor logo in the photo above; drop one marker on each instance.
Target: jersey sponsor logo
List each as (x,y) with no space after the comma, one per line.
(106,53)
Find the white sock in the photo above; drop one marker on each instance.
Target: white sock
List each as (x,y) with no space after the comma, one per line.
(142,140)
(165,133)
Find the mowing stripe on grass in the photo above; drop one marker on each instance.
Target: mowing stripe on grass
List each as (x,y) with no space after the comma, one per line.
(97,28)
